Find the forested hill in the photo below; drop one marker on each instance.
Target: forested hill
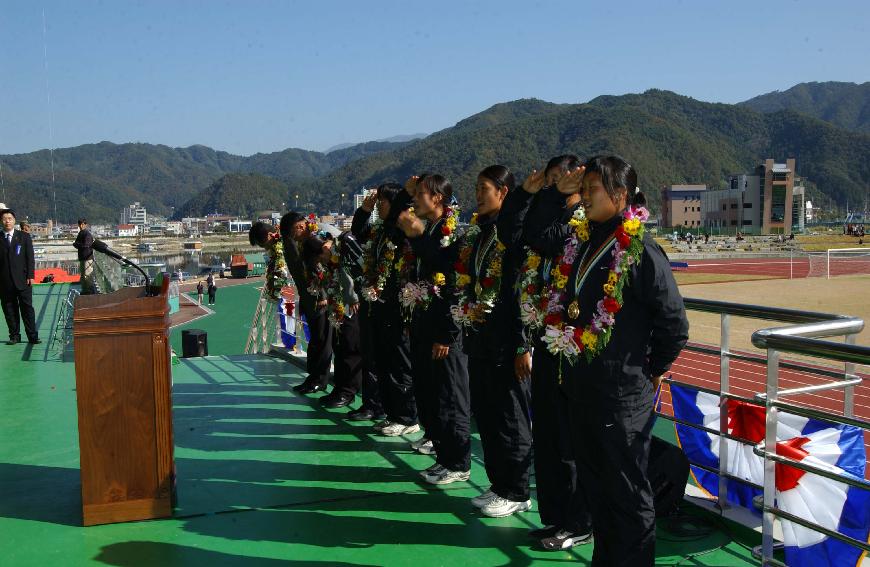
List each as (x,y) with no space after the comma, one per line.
(668,137)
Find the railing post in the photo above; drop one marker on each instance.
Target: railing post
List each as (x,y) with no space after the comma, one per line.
(771,413)
(849,391)
(724,368)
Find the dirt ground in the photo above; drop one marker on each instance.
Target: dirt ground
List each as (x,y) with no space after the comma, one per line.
(845,295)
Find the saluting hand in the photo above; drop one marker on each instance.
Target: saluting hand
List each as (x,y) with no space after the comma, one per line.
(412,226)
(534,182)
(571,182)
(368,204)
(411,185)
(354,308)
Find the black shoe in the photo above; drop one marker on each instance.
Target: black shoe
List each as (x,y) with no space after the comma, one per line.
(563,539)
(13,341)
(364,414)
(333,401)
(311,389)
(35,341)
(303,386)
(546,531)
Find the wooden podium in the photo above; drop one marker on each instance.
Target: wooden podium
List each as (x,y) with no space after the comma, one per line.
(123,385)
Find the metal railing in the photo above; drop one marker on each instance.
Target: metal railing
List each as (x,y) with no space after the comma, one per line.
(804,337)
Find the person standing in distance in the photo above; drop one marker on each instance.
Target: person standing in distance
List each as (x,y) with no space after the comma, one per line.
(16,280)
(84,243)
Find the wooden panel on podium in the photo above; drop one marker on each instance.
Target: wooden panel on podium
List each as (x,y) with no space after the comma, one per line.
(123,386)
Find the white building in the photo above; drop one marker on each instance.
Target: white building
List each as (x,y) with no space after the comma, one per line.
(240,225)
(126,230)
(134,214)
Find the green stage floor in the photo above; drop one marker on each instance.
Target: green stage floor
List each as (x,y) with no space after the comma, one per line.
(265,477)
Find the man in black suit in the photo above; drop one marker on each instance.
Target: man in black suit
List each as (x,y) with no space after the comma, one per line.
(294,232)
(16,279)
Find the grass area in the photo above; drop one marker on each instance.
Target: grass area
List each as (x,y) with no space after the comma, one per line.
(229,325)
(822,242)
(690,278)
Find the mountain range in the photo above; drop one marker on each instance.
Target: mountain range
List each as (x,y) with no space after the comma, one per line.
(668,137)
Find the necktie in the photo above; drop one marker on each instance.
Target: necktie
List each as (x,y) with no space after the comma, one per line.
(9,239)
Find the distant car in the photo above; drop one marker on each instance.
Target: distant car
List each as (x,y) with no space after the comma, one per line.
(185,276)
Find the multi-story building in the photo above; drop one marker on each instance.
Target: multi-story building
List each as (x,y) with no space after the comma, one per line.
(765,201)
(681,206)
(134,214)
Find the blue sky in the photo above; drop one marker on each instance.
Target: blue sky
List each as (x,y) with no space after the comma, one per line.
(260,76)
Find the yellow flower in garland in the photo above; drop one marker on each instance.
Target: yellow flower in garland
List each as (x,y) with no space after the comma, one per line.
(473,219)
(612,278)
(631,226)
(534,261)
(589,339)
(559,280)
(451,222)
(389,254)
(463,280)
(582,229)
(400,264)
(500,247)
(439,279)
(495,267)
(609,289)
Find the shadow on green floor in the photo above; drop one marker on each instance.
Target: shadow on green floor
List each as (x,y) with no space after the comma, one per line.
(151,553)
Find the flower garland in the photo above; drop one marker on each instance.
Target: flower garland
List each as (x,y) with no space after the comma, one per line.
(474,305)
(448,229)
(311,224)
(376,271)
(533,303)
(420,294)
(335,308)
(315,279)
(276,271)
(569,341)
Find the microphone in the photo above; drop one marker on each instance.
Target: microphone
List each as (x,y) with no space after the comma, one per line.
(103,248)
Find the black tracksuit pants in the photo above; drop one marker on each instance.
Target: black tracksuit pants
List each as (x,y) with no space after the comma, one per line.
(500,404)
(319,348)
(393,359)
(444,401)
(612,452)
(17,301)
(561,501)
(348,357)
(371,393)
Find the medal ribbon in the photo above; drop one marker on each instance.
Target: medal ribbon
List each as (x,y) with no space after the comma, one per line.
(586,268)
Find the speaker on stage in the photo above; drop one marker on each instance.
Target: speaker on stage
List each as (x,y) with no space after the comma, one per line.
(194,342)
(668,473)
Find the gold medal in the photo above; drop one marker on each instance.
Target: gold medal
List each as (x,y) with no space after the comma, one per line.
(574,310)
(477,289)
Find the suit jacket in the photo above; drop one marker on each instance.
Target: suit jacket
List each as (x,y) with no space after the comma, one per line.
(295,266)
(16,261)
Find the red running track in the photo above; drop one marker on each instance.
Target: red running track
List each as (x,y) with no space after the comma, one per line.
(748,378)
(783,267)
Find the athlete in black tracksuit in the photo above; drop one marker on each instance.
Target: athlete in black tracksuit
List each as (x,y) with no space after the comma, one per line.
(561,502)
(384,317)
(611,397)
(500,402)
(441,386)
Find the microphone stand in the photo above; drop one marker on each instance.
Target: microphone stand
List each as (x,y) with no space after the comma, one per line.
(103,248)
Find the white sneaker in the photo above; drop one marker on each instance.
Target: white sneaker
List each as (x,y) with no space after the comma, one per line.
(432,471)
(483,499)
(446,476)
(500,507)
(423,446)
(382,424)
(397,429)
